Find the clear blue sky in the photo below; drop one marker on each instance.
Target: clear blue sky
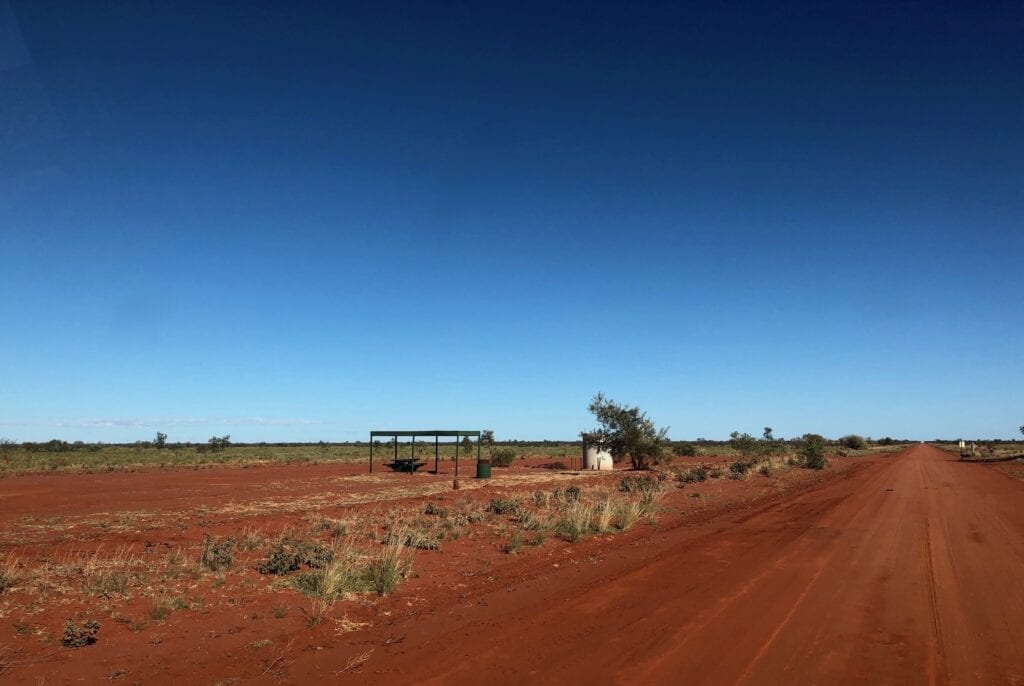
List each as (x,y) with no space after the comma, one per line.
(301,222)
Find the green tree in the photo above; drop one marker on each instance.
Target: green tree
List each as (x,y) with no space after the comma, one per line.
(769,444)
(218,443)
(853,442)
(161,440)
(627,431)
(487,440)
(467,445)
(814,451)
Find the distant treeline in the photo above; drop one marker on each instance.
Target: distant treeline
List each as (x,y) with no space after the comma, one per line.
(218,443)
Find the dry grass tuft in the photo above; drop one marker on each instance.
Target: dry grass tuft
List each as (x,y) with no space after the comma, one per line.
(574,522)
(11,573)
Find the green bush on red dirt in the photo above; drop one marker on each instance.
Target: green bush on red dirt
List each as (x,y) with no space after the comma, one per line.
(814,451)
(503,457)
(288,555)
(853,442)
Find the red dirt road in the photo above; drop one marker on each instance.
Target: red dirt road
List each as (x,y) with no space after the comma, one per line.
(904,570)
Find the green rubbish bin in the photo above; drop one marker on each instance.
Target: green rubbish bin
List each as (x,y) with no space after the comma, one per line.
(483,469)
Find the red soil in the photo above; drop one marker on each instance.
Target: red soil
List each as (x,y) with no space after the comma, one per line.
(889,569)
(152,489)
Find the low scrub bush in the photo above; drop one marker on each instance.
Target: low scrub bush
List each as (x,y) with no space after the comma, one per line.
(567,495)
(80,635)
(695,475)
(853,442)
(289,555)
(503,457)
(336,528)
(685,450)
(345,573)
(504,506)
(739,469)
(350,571)
(435,509)
(639,484)
(413,538)
(217,554)
(532,522)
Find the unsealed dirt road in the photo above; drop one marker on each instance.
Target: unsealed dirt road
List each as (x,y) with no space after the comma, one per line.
(904,570)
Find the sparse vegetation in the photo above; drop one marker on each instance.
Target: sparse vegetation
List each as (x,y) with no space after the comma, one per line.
(574,522)
(289,555)
(639,484)
(569,494)
(743,443)
(218,553)
(345,573)
(10,573)
(694,475)
(769,445)
(80,635)
(218,443)
(161,609)
(390,567)
(627,511)
(604,512)
(685,449)
(414,538)
(739,469)
(504,506)
(78,456)
(435,509)
(514,542)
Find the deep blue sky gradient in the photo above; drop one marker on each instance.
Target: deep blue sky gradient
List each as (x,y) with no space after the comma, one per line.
(303,221)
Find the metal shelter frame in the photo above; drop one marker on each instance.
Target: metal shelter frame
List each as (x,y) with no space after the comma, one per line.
(436,433)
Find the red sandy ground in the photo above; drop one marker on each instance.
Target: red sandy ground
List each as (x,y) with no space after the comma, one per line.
(896,569)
